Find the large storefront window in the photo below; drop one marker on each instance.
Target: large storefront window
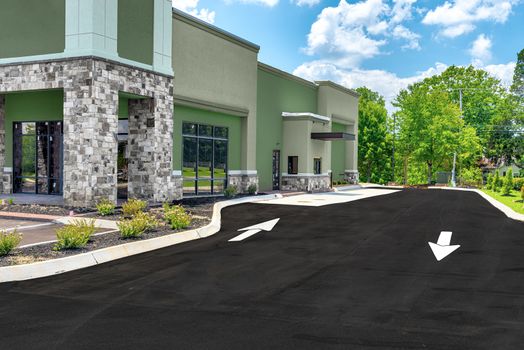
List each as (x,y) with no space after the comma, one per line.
(204,159)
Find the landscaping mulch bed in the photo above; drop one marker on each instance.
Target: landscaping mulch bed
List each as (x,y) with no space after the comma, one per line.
(38,209)
(45,252)
(201,210)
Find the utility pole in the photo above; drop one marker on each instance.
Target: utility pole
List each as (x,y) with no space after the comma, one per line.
(453,172)
(393,154)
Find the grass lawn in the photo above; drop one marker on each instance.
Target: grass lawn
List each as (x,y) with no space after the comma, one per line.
(513,201)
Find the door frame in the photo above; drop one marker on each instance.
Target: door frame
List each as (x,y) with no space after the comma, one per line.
(276,186)
(60,160)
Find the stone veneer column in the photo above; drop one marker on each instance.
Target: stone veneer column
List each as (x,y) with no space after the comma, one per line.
(150,150)
(90,131)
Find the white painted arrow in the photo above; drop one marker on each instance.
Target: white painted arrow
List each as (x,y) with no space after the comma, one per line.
(251,230)
(442,248)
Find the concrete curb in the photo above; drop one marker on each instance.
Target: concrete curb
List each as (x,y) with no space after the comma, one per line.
(510,213)
(99,223)
(80,261)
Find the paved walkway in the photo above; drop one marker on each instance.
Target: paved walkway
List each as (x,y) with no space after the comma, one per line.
(329,198)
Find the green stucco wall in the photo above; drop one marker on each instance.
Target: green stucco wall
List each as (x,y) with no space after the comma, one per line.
(135,30)
(30,107)
(338,153)
(276,95)
(31,27)
(193,115)
(123,107)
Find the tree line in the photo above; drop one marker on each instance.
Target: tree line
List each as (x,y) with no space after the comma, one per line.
(463,112)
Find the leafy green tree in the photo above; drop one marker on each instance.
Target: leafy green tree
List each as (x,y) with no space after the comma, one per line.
(508,183)
(374,143)
(517,88)
(431,130)
(487,107)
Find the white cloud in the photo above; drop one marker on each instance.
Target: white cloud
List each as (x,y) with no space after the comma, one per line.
(191,7)
(402,10)
(352,32)
(458,17)
(269,3)
(386,83)
(306,2)
(481,50)
(503,72)
(401,32)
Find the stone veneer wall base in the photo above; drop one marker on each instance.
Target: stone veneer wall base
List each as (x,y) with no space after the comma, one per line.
(306,183)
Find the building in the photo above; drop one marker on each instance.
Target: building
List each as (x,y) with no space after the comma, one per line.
(108,98)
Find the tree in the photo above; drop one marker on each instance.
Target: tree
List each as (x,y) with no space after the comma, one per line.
(487,107)
(508,183)
(431,130)
(374,150)
(517,88)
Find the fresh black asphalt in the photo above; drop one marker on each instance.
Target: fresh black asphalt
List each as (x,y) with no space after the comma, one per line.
(358,275)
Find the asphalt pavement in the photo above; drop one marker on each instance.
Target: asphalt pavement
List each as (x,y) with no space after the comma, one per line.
(357,275)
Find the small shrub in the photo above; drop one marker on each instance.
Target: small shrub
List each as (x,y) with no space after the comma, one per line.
(9,241)
(497,182)
(10,201)
(230,192)
(105,207)
(489,182)
(252,189)
(75,235)
(137,225)
(522,194)
(133,207)
(176,217)
(518,182)
(508,183)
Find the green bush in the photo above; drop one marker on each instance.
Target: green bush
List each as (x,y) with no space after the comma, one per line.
(507,186)
(137,225)
(471,177)
(518,182)
(105,207)
(252,189)
(522,194)
(9,241)
(176,217)
(489,182)
(133,207)
(230,192)
(75,235)
(497,182)
(10,201)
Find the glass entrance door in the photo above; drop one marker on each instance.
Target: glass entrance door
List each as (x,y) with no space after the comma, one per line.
(37,157)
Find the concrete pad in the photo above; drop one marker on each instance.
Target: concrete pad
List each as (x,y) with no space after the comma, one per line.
(329,198)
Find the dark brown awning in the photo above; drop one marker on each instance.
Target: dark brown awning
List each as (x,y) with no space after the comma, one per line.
(332,136)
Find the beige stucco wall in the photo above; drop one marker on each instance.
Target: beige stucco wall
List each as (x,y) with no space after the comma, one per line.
(321,149)
(342,106)
(297,143)
(215,69)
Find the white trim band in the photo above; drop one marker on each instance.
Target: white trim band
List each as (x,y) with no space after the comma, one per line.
(242,172)
(307,115)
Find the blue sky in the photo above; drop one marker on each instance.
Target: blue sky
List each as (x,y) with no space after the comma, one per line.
(383,44)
